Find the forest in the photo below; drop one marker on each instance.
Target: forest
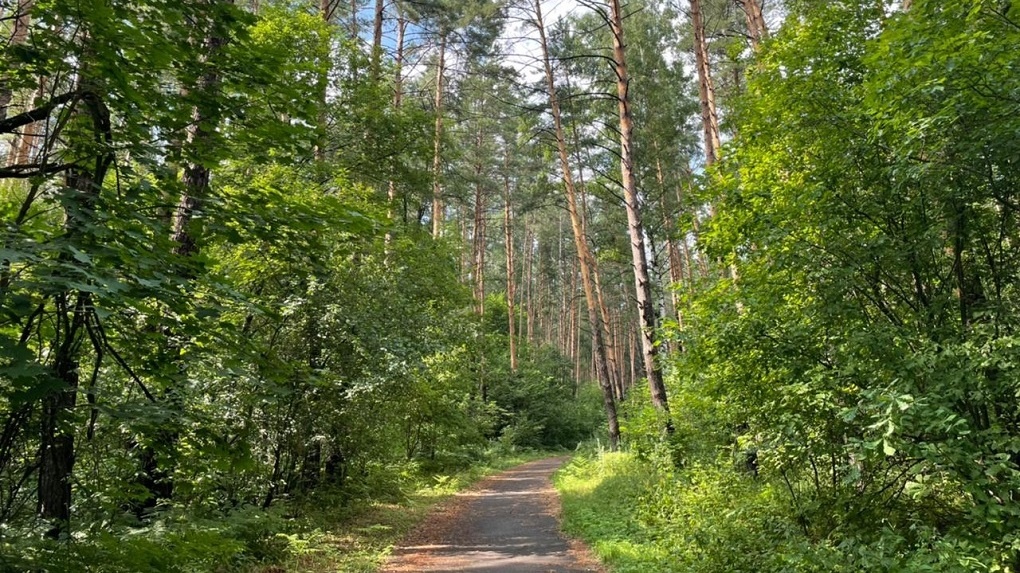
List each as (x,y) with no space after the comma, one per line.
(266,265)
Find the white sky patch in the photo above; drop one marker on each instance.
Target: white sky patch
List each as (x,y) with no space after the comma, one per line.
(520,43)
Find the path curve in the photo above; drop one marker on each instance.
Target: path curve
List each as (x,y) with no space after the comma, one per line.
(505,523)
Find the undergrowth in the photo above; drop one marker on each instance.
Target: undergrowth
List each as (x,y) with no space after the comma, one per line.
(349,531)
(601,494)
(644,517)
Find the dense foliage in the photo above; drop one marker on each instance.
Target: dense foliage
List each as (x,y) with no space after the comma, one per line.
(260,258)
(210,312)
(847,396)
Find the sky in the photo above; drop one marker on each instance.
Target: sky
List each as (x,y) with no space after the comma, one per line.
(519,43)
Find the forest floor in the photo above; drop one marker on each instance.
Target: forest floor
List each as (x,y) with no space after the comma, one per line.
(507,522)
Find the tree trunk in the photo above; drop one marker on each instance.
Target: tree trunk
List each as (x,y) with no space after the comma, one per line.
(478,236)
(326,8)
(201,132)
(354,22)
(596,277)
(642,283)
(56,445)
(437,190)
(25,145)
(56,439)
(398,89)
(529,290)
(195,181)
(377,40)
(508,245)
(673,256)
(633,359)
(580,242)
(22,20)
(706,91)
(756,27)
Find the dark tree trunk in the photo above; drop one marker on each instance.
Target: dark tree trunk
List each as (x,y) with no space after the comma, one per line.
(156,469)
(56,439)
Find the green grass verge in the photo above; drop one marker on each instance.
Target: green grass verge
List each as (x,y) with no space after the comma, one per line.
(601,499)
(359,539)
(347,531)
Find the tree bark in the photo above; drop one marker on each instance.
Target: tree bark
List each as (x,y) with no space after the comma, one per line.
(642,283)
(596,278)
(478,236)
(508,246)
(757,30)
(580,242)
(706,91)
(669,226)
(377,40)
(25,145)
(437,190)
(529,290)
(56,440)
(19,34)
(398,94)
(195,181)
(200,135)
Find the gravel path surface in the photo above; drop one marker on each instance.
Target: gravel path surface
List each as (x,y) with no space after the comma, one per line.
(506,523)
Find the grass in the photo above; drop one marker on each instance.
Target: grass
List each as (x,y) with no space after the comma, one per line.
(359,539)
(348,531)
(601,499)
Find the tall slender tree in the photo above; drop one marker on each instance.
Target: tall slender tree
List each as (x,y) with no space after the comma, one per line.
(643,287)
(584,257)
(706,88)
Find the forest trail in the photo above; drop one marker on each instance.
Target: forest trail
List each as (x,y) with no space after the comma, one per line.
(506,523)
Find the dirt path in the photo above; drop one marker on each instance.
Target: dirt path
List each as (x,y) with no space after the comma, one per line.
(506,523)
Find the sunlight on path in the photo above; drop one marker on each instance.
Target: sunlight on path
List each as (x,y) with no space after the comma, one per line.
(506,523)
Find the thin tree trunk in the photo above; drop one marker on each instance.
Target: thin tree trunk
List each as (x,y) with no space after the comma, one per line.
(56,440)
(596,277)
(354,21)
(606,329)
(195,183)
(437,190)
(25,146)
(398,89)
(529,260)
(467,258)
(326,11)
(508,246)
(676,275)
(642,283)
(377,40)
(583,255)
(562,329)
(621,355)
(479,240)
(633,359)
(19,34)
(706,91)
